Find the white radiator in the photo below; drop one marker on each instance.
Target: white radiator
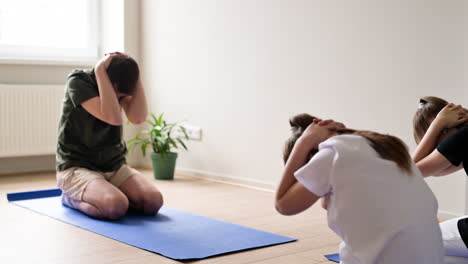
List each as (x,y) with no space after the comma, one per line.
(29,116)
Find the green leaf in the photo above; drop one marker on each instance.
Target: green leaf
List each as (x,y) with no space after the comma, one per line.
(159,136)
(160,120)
(182,143)
(153,119)
(169,128)
(184,131)
(173,143)
(150,122)
(143,149)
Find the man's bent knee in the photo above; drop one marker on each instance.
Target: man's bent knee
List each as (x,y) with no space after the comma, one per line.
(152,202)
(114,206)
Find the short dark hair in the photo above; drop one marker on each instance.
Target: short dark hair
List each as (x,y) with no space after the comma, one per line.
(123,73)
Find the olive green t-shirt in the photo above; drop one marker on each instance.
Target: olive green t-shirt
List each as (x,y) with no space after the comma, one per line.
(83,140)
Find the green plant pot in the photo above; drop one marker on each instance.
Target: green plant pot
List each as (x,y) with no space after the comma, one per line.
(164,165)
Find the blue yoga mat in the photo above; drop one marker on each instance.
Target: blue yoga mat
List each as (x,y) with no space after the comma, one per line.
(172,233)
(333,257)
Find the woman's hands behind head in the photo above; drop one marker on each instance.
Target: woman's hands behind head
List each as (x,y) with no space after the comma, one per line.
(451,116)
(319,131)
(330,124)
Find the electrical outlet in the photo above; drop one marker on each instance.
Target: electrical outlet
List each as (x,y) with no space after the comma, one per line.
(193,132)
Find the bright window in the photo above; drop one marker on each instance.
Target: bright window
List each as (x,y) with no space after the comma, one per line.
(56,30)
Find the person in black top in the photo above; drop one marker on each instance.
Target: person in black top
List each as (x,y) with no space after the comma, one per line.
(455,148)
(90,160)
(434,121)
(441,132)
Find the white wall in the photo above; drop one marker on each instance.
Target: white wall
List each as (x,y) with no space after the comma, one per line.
(241,68)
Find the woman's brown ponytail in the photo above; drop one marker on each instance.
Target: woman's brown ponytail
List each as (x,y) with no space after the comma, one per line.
(388,147)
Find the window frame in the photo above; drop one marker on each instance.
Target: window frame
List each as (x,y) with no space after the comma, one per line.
(30,55)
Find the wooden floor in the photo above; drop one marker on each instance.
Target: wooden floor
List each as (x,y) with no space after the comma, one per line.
(28,237)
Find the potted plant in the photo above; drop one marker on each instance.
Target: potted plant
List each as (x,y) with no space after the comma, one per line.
(162,137)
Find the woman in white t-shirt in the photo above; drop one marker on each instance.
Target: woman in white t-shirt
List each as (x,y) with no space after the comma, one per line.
(378,202)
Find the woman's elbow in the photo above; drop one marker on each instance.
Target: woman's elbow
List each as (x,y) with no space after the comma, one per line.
(283,209)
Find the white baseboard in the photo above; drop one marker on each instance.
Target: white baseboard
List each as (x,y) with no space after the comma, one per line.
(444,215)
(224,178)
(264,186)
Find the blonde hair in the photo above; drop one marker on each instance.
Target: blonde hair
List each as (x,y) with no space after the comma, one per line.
(388,147)
(428,108)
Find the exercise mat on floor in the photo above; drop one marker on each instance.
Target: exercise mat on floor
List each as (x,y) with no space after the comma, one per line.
(172,233)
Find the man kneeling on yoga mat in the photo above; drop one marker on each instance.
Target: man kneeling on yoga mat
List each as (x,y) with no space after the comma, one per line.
(91,165)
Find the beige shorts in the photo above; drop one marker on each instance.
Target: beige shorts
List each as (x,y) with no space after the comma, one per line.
(73,181)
